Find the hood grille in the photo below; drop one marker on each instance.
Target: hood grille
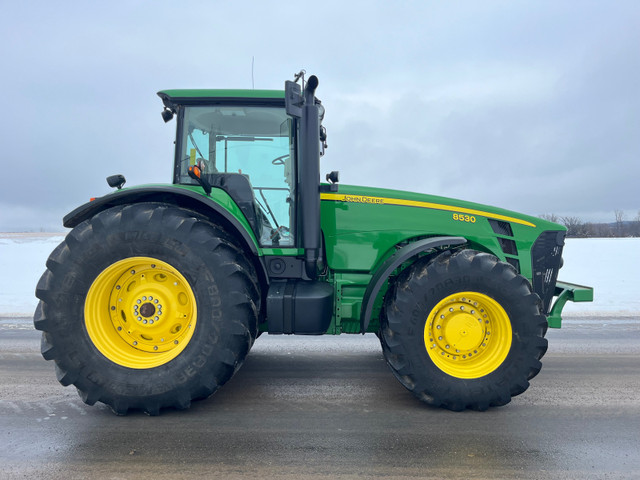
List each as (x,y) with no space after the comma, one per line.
(546,256)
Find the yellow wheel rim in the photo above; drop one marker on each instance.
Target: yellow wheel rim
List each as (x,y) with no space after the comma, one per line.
(468,335)
(140,312)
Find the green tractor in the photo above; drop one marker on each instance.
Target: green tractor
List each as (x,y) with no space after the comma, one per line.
(158,292)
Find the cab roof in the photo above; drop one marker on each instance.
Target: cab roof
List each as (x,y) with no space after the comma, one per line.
(174,97)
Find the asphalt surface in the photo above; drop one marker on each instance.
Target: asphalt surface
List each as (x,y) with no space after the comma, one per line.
(328,407)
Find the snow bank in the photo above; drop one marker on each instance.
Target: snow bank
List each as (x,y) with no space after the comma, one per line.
(610,265)
(22,261)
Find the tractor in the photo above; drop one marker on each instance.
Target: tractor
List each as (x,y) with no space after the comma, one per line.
(158,292)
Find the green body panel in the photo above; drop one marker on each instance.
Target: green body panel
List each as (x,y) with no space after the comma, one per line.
(360,234)
(349,291)
(362,227)
(223,199)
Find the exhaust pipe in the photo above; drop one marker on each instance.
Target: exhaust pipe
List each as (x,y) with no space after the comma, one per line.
(309,171)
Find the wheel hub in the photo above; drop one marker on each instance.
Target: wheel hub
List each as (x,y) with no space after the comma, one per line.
(463,330)
(460,335)
(151,312)
(147,310)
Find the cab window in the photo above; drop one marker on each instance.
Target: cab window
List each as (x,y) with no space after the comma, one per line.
(250,141)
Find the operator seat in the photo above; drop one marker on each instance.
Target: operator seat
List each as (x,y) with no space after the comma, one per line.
(239,188)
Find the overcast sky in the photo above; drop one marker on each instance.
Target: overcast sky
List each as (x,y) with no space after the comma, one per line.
(532,106)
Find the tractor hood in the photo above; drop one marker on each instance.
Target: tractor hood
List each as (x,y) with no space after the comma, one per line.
(368,223)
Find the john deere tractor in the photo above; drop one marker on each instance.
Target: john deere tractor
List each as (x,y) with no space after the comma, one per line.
(158,292)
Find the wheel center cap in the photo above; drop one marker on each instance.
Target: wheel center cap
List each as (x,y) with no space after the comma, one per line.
(464,332)
(147,310)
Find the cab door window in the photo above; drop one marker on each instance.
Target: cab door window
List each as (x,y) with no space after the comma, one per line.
(255,142)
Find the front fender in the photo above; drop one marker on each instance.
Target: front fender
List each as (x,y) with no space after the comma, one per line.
(394,261)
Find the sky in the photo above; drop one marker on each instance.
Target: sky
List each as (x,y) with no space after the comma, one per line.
(532,106)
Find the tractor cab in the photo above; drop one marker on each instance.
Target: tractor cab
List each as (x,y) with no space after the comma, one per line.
(245,147)
(261,147)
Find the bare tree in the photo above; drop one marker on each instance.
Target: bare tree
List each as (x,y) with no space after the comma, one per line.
(552,217)
(636,226)
(575,226)
(619,222)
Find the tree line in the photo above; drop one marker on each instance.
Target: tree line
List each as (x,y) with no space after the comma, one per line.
(620,227)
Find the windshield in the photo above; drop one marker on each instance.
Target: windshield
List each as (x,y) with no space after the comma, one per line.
(251,141)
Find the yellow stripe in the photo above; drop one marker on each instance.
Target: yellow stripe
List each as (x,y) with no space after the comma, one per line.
(341,197)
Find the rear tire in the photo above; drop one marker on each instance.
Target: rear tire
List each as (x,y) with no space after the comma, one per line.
(463,330)
(147,306)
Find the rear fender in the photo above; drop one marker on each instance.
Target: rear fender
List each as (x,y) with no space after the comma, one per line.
(219,206)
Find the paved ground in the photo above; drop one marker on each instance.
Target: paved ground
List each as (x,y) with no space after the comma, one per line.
(326,407)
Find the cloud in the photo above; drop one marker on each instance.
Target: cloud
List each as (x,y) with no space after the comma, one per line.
(532,106)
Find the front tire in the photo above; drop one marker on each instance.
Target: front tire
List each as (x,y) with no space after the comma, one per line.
(463,330)
(147,306)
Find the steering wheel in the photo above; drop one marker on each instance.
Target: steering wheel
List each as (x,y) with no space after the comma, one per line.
(279,160)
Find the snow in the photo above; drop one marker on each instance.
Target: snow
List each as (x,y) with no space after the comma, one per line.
(610,265)
(22,262)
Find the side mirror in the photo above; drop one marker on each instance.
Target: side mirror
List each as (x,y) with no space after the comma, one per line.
(293,99)
(116,181)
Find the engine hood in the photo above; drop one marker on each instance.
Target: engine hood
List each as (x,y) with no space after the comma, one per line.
(363,225)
